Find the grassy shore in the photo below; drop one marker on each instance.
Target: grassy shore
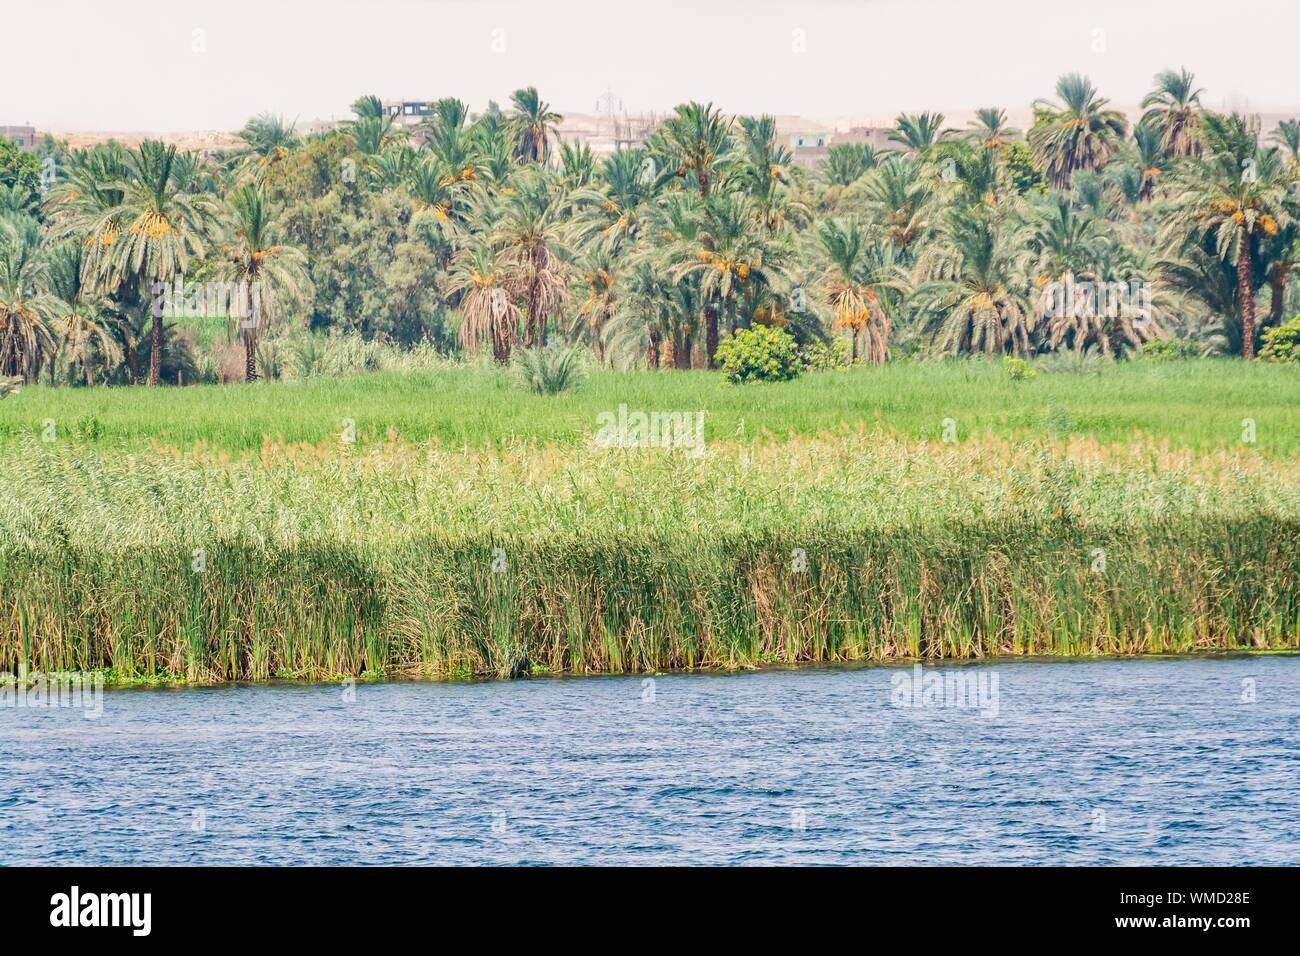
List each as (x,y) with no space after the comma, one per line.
(1197,405)
(401,558)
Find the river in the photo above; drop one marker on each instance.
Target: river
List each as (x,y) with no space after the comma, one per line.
(1169,761)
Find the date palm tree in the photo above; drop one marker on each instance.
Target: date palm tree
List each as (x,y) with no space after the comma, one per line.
(160,223)
(898,196)
(373,129)
(696,141)
(719,244)
(763,172)
(991,129)
(477,288)
(27,308)
(1238,196)
(267,141)
(597,275)
(1287,136)
(611,210)
(856,282)
(918,133)
(1173,110)
(260,269)
(846,163)
(973,290)
(1151,160)
(1077,133)
(85,324)
(532,236)
(578,165)
(532,125)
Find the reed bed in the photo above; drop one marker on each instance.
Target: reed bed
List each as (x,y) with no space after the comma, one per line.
(396,558)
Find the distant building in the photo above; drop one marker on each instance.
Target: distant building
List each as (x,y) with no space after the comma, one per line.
(877,137)
(408,113)
(23,136)
(811,149)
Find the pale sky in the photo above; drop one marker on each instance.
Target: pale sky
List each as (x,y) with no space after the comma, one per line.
(174,65)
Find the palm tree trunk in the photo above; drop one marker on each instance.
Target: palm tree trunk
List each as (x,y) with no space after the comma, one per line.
(155,349)
(699,354)
(1246,296)
(682,353)
(132,360)
(1277,283)
(250,357)
(597,342)
(90,373)
(652,351)
(711,336)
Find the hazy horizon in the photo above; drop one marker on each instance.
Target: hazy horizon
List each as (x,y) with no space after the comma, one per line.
(148,69)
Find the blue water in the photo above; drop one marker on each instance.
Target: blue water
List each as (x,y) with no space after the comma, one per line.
(1107,762)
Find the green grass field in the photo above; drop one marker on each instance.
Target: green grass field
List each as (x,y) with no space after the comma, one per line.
(1192,404)
(157,536)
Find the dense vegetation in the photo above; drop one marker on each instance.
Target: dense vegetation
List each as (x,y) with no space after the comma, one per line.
(485,233)
(1067,475)
(402,559)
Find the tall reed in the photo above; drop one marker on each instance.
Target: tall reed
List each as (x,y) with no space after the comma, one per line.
(405,559)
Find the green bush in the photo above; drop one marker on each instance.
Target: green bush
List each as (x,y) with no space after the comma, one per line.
(1018,370)
(551,370)
(821,357)
(1282,344)
(759,354)
(1169,350)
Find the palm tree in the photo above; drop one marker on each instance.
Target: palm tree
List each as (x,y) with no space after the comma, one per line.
(260,269)
(597,272)
(610,211)
(27,309)
(990,127)
(764,173)
(1238,196)
(918,133)
(84,321)
(1151,159)
(973,288)
(532,125)
(578,165)
(898,196)
(1287,135)
(856,298)
(846,163)
(696,141)
(161,220)
(1106,315)
(1062,239)
(267,141)
(729,256)
(645,318)
(1173,110)
(531,235)
(1077,133)
(487,312)
(373,128)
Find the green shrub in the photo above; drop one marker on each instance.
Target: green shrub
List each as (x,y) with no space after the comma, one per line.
(759,354)
(821,357)
(1282,344)
(1018,370)
(549,371)
(1169,350)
